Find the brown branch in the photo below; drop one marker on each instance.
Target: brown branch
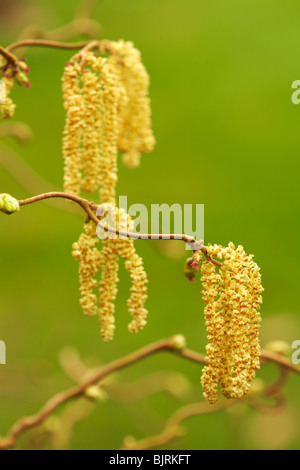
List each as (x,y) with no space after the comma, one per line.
(44,43)
(81,24)
(89,208)
(170,345)
(271,410)
(53,404)
(280,360)
(83,203)
(173,429)
(11,59)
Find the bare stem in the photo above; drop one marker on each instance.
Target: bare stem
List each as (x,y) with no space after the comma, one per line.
(44,43)
(83,203)
(89,208)
(166,345)
(11,59)
(173,429)
(54,403)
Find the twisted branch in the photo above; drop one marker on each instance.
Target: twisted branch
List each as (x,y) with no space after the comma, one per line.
(90,207)
(172,346)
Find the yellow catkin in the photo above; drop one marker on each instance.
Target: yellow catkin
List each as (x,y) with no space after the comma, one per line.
(73,132)
(92,131)
(136,135)
(97,114)
(7,108)
(138,297)
(233,298)
(134,265)
(89,257)
(214,324)
(110,132)
(108,289)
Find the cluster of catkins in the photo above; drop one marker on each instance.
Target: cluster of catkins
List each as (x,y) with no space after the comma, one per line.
(92,259)
(232,294)
(107,112)
(17,73)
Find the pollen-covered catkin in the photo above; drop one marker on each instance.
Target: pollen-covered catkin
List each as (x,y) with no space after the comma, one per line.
(7,106)
(108,289)
(214,324)
(89,257)
(92,131)
(136,135)
(233,298)
(138,296)
(124,247)
(106,101)
(74,125)
(109,150)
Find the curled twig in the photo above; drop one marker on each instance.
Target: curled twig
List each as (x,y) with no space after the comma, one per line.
(171,345)
(90,207)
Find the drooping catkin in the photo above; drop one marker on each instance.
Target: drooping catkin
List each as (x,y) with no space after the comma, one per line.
(89,257)
(7,106)
(109,145)
(74,125)
(14,72)
(92,131)
(108,289)
(134,265)
(136,135)
(138,291)
(105,97)
(233,298)
(211,374)
(138,297)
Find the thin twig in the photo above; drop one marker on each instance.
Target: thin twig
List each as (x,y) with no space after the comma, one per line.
(11,59)
(54,403)
(173,429)
(44,43)
(160,346)
(280,360)
(89,208)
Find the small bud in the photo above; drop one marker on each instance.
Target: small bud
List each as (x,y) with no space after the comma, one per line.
(23,66)
(189,270)
(178,342)
(95,393)
(8,204)
(22,79)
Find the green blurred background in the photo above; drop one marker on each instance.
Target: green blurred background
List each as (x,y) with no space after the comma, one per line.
(227,137)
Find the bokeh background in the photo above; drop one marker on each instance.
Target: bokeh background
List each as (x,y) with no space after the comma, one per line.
(227,137)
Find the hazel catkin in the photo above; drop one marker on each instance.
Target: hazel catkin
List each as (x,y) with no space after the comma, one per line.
(233,299)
